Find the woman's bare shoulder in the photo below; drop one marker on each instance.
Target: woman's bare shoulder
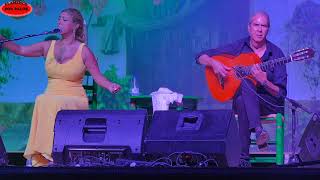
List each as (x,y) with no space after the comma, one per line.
(46,46)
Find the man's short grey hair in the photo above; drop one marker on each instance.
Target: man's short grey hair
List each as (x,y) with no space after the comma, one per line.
(263,13)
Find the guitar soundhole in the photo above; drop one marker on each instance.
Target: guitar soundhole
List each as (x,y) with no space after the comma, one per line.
(221,81)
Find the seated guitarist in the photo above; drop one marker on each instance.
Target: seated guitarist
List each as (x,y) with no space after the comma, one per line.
(270,86)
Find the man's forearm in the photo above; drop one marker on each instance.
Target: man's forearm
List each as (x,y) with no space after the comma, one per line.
(204,60)
(271,88)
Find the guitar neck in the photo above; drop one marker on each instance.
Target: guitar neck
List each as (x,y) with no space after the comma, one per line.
(246,70)
(275,62)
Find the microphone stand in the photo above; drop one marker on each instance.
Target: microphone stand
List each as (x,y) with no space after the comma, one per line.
(294,106)
(27,36)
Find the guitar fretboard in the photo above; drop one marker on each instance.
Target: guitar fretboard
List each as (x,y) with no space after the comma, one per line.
(246,70)
(275,62)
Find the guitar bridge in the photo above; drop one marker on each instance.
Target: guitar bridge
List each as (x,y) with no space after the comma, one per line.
(221,81)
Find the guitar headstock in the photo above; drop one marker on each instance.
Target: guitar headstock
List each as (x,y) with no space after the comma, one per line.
(302,54)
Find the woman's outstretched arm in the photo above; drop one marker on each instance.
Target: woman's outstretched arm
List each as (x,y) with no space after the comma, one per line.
(34,50)
(92,66)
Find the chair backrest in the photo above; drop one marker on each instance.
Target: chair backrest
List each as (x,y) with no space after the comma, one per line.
(90,87)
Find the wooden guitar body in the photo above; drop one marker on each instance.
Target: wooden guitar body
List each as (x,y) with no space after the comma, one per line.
(226,90)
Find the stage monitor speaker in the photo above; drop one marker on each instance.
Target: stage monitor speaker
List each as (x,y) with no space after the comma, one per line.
(310,141)
(97,133)
(211,132)
(3,154)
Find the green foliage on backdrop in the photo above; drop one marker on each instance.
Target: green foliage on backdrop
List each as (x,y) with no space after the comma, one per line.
(156,14)
(115,15)
(5,73)
(15,113)
(107,100)
(302,31)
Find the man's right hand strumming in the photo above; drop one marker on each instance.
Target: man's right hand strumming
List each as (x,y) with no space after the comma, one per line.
(219,69)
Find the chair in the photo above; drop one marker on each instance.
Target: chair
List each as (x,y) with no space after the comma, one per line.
(267,157)
(90,87)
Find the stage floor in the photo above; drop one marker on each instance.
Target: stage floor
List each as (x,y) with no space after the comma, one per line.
(157,173)
(17,169)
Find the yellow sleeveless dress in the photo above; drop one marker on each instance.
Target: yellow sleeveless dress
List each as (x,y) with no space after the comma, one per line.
(64,91)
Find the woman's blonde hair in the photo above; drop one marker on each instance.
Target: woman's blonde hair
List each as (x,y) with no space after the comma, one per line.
(77,18)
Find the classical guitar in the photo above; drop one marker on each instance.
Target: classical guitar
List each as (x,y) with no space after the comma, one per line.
(224,89)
